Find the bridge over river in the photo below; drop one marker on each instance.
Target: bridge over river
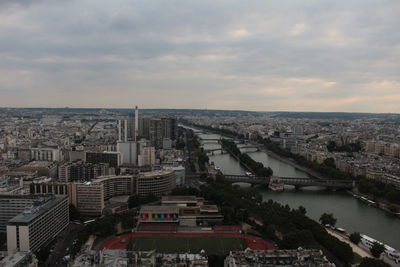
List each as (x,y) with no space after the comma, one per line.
(296,182)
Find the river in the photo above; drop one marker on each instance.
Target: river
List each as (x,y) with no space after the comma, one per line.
(352,214)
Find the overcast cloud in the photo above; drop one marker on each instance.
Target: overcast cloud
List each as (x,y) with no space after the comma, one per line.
(255,55)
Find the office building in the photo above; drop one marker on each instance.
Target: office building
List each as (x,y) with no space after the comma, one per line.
(37,225)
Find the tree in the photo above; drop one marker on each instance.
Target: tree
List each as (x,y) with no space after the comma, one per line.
(327,218)
(74,213)
(302,210)
(355,237)
(377,249)
(369,262)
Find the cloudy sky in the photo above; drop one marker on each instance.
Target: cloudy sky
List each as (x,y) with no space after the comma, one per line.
(309,55)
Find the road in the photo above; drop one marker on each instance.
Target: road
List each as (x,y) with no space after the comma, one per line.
(362,251)
(64,242)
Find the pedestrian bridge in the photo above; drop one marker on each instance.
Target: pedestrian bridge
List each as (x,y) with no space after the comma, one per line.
(296,182)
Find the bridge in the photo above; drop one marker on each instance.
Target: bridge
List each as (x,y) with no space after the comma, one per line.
(219,149)
(296,182)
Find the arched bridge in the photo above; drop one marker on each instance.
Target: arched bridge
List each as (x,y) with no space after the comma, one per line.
(296,182)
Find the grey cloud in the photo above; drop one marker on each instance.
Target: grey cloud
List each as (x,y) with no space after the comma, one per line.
(186,46)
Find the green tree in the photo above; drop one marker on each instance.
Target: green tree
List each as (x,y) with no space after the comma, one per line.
(369,262)
(327,218)
(355,237)
(377,249)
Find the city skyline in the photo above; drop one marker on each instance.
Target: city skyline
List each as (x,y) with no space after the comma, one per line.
(230,55)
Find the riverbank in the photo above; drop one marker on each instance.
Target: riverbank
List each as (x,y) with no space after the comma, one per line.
(291,162)
(352,214)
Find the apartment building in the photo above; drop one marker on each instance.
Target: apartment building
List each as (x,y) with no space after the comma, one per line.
(39,224)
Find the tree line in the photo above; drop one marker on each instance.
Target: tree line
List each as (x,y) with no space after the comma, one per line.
(257,167)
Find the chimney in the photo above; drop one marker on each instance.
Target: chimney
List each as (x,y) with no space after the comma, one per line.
(136,123)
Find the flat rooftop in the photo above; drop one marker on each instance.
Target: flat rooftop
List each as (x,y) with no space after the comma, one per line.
(179,199)
(159,209)
(104,178)
(155,173)
(42,205)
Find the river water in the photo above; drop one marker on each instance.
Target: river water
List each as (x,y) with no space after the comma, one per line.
(352,214)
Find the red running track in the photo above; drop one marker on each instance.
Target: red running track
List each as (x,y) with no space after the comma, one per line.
(253,242)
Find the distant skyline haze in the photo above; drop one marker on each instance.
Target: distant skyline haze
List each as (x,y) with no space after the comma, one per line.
(341,56)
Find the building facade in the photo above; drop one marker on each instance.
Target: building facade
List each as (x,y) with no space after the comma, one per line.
(39,224)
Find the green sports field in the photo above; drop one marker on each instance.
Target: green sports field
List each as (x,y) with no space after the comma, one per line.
(182,244)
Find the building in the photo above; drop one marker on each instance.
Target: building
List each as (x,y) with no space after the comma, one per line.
(81,171)
(157,183)
(113,159)
(158,129)
(128,151)
(39,224)
(46,154)
(179,172)
(17,259)
(147,156)
(128,129)
(87,197)
(188,211)
(12,205)
(284,258)
(162,214)
(43,168)
(117,185)
(124,257)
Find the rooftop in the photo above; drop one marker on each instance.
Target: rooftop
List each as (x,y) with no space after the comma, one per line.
(159,209)
(41,206)
(38,164)
(12,259)
(179,199)
(155,173)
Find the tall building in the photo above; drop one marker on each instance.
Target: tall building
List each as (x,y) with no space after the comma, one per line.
(158,129)
(39,224)
(147,156)
(128,151)
(128,129)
